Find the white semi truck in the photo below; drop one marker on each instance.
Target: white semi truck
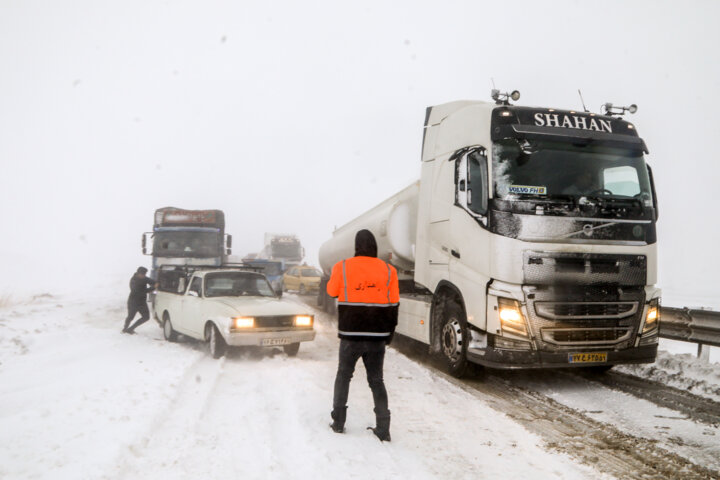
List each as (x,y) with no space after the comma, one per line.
(529,240)
(283,247)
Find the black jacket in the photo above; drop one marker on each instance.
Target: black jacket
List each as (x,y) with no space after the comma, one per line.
(139,288)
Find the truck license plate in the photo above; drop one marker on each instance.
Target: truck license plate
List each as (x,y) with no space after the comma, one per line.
(594,357)
(269,342)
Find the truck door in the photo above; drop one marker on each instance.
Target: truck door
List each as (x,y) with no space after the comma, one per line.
(469,262)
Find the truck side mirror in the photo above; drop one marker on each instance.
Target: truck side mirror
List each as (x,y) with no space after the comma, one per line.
(145,242)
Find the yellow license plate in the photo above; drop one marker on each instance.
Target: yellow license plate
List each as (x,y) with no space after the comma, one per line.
(587,357)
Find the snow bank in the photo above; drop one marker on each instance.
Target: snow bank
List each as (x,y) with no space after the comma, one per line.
(683,371)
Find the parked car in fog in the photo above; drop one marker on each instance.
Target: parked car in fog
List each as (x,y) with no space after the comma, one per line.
(303,278)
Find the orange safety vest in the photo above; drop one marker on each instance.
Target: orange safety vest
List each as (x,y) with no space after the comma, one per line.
(364,281)
(368,296)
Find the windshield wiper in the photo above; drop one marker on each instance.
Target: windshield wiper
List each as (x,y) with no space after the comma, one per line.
(615,203)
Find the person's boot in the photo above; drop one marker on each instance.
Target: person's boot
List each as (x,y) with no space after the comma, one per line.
(382,427)
(338,415)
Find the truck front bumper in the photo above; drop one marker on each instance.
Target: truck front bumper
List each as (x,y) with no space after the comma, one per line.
(516,359)
(268,338)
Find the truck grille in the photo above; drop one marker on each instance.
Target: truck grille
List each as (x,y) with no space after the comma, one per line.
(587,336)
(582,310)
(565,317)
(561,268)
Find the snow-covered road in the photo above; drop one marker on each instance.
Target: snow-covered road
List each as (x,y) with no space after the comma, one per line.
(80,400)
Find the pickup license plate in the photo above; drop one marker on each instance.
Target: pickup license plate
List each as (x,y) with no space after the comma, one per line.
(587,357)
(269,342)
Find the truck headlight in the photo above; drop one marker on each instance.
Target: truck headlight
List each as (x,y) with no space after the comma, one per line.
(511,317)
(303,321)
(652,317)
(243,322)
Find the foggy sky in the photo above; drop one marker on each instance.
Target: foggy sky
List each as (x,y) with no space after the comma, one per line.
(297,116)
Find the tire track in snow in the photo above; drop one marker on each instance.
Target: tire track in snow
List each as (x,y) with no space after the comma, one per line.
(697,408)
(172,433)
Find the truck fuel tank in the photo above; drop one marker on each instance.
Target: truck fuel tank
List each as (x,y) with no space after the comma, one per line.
(394,224)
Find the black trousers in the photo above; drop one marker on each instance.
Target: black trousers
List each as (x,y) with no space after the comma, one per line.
(373,356)
(133,309)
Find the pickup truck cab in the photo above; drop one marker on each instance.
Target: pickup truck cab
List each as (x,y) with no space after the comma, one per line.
(229,307)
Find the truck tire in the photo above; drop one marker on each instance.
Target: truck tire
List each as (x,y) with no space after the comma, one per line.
(216,342)
(168,332)
(292,349)
(454,336)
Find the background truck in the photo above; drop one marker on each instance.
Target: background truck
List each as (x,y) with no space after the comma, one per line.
(284,247)
(187,237)
(272,269)
(529,240)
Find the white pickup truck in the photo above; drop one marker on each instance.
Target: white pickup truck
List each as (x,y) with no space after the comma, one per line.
(229,307)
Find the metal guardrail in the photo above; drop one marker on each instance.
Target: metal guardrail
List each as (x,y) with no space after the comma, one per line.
(691,325)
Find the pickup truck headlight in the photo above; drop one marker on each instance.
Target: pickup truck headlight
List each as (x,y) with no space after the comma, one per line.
(243,322)
(511,317)
(303,320)
(652,317)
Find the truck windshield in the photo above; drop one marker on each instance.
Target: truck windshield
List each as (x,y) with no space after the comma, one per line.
(237,284)
(526,170)
(290,251)
(187,244)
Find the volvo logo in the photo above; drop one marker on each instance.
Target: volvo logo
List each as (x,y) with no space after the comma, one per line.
(587,230)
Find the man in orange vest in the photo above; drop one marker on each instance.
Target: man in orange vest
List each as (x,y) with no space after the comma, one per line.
(368,296)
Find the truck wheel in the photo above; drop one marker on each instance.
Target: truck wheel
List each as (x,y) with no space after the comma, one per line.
(454,336)
(216,343)
(303,291)
(168,332)
(292,349)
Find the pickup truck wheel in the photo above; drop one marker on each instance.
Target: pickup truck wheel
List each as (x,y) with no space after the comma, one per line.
(292,349)
(303,291)
(454,337)
(168,332)
(216,343)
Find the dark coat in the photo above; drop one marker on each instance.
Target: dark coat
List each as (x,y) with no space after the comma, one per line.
(139,288)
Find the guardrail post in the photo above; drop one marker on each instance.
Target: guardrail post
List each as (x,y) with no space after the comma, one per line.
(703,353)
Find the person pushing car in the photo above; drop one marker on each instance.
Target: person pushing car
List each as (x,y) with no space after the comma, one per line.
(140,286)
(368,297)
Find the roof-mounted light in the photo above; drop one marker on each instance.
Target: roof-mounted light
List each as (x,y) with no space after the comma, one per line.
(503,98)
(610,109)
